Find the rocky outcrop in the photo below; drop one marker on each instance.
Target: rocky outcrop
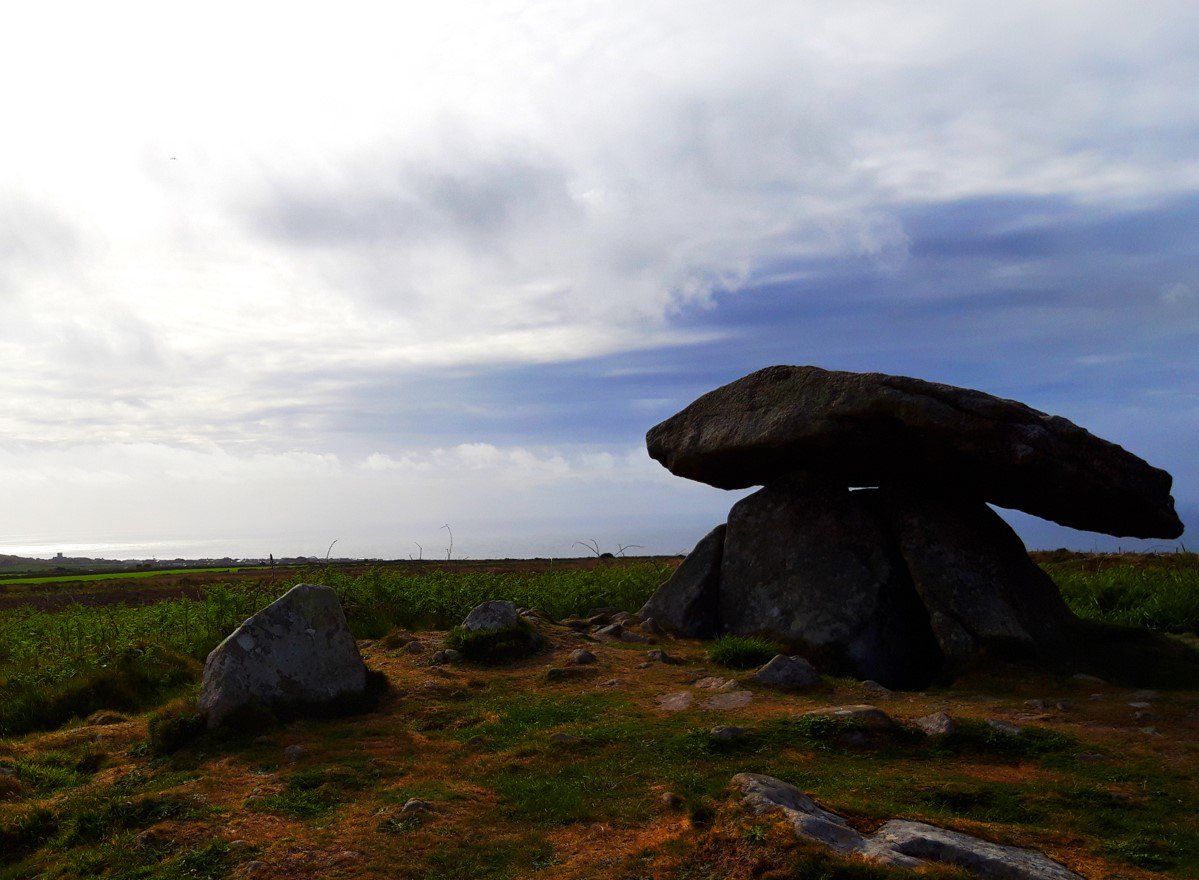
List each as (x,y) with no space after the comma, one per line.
(898,843)
(295,653)
(788,674)
(871,429)
(687,603)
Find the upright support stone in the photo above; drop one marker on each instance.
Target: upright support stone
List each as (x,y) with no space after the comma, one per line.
(973,574)
(687,603)
(808,563)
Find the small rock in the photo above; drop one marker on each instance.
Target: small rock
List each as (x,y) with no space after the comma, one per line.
(236,846)
(564,738)
(416,646)
(613,683)
(438,658)
(1141,704)
(627,635)
(659,656)
(729,700)
(600,616)
(649,625)
(1064,706)
(1089,679)
(621,617)
(1097,697)
(674,702)
(612,630)
(104,719)
(1003,726)
(1148,731)
(670,800)
(496,614)
(253,867)
(581,656)
(727,732)
(716,683)
(645,665)
(876,690)
(292,753)
(788,673)
(416,805)
(868,716)
(575,623)
(1035,704)
(937,724)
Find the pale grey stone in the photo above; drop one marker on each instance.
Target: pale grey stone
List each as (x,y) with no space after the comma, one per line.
(716,683)
(937,724)
(495,614)
(729,700)
(416,805)
(867,716)
(675,702)
(297,651)
(900,843)
(581,656)
(988,860)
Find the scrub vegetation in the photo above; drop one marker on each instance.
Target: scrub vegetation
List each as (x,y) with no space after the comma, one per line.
(112,774)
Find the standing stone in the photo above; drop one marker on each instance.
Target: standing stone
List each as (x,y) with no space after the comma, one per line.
(296,652)
(871,429)
(973,574)
(687,603)
(808,563)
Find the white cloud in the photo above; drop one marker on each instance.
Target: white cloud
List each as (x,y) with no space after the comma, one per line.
(218,225)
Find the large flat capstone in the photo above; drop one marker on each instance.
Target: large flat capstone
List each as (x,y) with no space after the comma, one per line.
(296,652)
(872,429)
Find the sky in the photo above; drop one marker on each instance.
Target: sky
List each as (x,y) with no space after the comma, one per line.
(274,275)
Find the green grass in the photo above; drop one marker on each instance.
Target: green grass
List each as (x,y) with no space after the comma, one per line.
(741,652)
(1161,593)
(107,576)
(67,663)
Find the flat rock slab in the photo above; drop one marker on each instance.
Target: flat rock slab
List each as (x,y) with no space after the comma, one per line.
(872,429)
(296,652)
(676,702)
(730,700)
(981,857)
(898,842)
(716,683)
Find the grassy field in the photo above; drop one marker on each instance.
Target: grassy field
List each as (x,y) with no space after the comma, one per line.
(109,576)
(1109,788)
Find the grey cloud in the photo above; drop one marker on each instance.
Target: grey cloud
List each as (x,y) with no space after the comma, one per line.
(388,202)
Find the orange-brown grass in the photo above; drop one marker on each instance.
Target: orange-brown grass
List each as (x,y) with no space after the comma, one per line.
(507,802)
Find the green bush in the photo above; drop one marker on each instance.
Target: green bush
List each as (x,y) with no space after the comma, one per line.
(175,726)
(491,646)
(135,678)
(741,652)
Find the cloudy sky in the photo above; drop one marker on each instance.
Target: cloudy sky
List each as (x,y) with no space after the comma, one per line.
(277,274)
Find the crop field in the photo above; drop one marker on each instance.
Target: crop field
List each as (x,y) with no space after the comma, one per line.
(108,576)
(1104,775)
